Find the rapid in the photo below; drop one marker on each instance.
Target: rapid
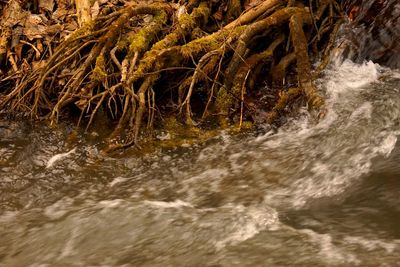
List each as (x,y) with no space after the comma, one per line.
(307,194)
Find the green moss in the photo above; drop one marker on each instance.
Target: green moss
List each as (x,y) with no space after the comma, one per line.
(202,12)
(186,24)
(123,43)
(139,41)
(200,46)
(99,72)
(210,42)
(146,63)
(142,39)
(161,17)
(224,101)
(170,123)
(181,134)
(186,21)
(247,125)
(87,28)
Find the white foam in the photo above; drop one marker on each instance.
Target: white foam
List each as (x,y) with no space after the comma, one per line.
(208,178)
(363,111)
(164,136)
(327,158)
(387,145)
(248,222)
(172,204)
(350,76)
(328,252)
(68,248)
(110,204)
(373,244)
(58,209)
(8,216)
(117,180)
(58,157)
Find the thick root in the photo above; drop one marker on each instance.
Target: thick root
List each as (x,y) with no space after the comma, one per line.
(304,75)
(218,62)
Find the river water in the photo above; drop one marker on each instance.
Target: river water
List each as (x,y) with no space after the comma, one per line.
(323,194)
(309,194)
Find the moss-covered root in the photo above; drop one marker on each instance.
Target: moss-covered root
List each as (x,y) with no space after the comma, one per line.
(148,82)
(238,90)
(168,48)
(300,44)
(278,72)
(255,13)
(206,64)
(284,99)
(98,52)
(140,43)
(277,18)
(186,24)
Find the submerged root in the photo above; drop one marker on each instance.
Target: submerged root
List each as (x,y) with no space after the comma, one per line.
(140,63)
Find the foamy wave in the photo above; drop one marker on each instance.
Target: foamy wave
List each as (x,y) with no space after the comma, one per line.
(325,159)
(350,76)
(58,209)
(250,222)
(328,252)
(172,204)
(374,244)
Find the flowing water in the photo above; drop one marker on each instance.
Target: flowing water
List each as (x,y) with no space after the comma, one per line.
(310,194)
(323,194)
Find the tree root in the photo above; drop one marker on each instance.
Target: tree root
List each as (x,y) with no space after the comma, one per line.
(299,41)
(128,61)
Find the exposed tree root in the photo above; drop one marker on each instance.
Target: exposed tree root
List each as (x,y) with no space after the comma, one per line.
(140,62)
(300,45)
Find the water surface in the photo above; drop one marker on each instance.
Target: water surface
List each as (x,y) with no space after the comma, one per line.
(309,195)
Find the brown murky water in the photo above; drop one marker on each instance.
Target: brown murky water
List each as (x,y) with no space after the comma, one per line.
(308,195)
